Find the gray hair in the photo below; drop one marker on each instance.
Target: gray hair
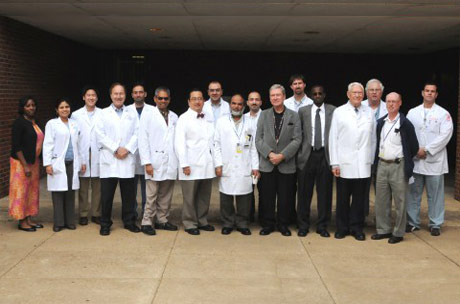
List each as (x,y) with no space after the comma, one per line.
(159,89)
(351,85)
(277,86)
(375,80)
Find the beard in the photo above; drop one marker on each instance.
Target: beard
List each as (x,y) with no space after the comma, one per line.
(237,113)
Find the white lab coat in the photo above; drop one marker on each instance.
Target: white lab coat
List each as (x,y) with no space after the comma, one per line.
(235,151)
(253,121)
(352,141)
(147,110)
(156,145)
(113,132)
(433,132)
(224,109)
(291,104)
(193,144)
(382,108)
(88,140)
(57,136)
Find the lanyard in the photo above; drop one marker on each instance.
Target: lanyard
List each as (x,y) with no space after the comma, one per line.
(235,127)
(278,130)
(394,124)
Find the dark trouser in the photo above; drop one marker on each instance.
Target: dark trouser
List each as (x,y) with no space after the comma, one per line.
(253,204)
(316,171)
(350,217)
(64,201)
(240,219)
(141,178)
(370,181)
(197,197)
(275,185)
(128,197)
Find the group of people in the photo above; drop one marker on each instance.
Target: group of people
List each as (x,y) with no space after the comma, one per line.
(284,151)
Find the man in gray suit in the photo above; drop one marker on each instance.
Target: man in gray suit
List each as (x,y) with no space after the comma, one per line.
(313,163)
(278,139)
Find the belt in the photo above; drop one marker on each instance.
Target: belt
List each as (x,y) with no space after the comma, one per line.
(391,161)
(317,150)
(68,162)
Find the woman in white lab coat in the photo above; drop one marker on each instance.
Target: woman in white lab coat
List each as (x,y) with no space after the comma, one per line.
(62,162)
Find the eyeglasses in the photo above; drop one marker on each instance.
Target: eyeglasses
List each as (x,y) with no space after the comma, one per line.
(163,98)
(214,90)
(196,98)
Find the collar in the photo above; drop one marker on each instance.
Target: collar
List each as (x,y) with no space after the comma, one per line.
(315,107)
(116,109)
(216,106)
(353,107)
(387,118)
(301,100)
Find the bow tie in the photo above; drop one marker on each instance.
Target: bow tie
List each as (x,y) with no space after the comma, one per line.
(200,115)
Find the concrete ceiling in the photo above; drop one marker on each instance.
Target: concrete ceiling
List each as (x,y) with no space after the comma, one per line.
(360,26)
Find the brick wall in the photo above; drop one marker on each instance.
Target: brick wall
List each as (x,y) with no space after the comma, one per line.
(457,152)
(34,62)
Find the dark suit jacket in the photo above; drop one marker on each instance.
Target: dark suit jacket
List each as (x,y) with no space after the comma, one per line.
(288,143)
(307,133)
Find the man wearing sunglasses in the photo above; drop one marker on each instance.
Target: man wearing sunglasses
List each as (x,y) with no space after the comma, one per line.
(156,150)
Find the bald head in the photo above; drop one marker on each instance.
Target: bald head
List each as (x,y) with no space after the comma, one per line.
(394,102)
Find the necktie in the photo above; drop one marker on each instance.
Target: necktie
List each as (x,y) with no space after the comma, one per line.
(318,134)
(200,115)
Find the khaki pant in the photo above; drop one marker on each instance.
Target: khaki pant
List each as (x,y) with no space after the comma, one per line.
(390,183)
(197,195)
(83,203)
(158,201)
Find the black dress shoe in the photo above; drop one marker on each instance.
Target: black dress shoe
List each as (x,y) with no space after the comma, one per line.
(266,231)
(96,219)
(302,232)
(133,228)
(166,226)
(28,229)
(410,228)
(244,231)
(227,230)
(395,239)
(359,236)
(83,221)
(340,234)
(104,231)
(435,231)
(207,227)
(284,231)
(37,226)
(381,236)
(193,231)
(148,229)
(71,227)
(57,228)
(324,233)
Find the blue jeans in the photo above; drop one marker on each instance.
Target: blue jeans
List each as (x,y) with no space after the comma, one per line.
(140,177)
(435,195)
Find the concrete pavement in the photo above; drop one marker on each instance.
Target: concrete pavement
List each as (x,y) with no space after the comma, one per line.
(173,267)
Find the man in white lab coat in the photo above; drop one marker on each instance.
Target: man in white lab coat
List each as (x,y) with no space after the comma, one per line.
(254,103)
(215,107)
(116,132)
(236,161)
(374,92)
(351,147)
(86,117)
(139,94)
(434,127)
(156,150)
(299,99)
(193,143)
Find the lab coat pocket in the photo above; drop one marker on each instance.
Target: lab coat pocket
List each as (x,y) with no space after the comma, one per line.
(106,157)
(157,159)
(438,157)
(58,165)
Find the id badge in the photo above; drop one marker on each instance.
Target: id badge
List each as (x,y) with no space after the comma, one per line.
(238,148)
(247,142)
(382,152)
